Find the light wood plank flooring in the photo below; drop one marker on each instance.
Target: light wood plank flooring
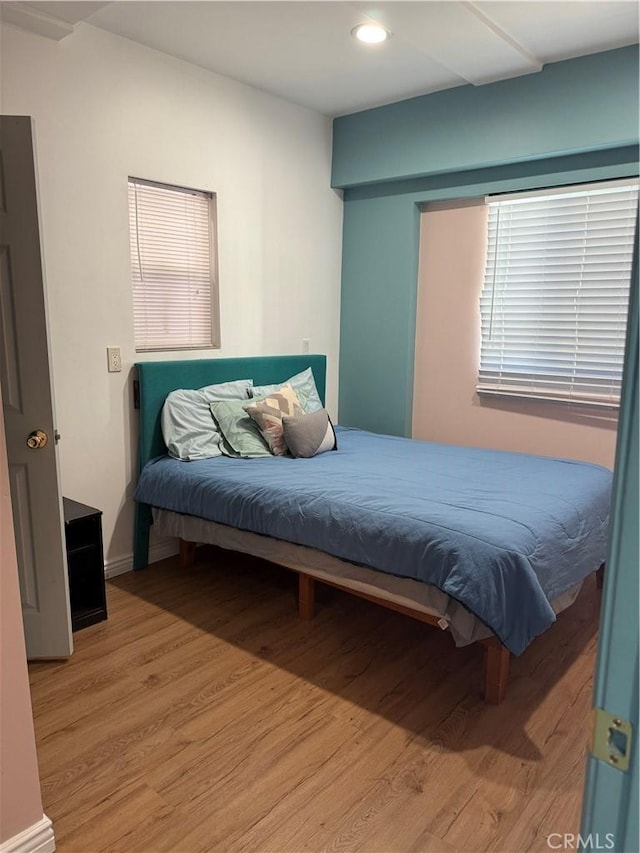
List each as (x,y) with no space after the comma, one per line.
(205,716)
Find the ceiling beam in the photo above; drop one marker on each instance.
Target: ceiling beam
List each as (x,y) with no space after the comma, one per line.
(20,15)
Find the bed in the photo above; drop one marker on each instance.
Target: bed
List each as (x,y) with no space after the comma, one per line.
(485,544)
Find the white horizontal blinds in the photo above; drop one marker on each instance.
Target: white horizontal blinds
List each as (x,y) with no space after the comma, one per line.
(555,295)
(171,266)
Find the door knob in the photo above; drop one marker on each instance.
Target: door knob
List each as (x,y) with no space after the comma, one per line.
(37,439)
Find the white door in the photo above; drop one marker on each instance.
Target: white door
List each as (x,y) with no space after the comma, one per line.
(28,404)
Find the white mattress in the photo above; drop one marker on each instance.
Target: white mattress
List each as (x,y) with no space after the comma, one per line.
(465,628)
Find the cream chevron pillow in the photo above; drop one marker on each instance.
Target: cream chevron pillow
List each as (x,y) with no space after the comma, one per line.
(268,414)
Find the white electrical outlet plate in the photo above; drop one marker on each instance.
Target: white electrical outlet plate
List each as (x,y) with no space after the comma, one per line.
(306,343)
(114,360)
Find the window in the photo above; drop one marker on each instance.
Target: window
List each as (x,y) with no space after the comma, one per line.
(172,242)
(556,291)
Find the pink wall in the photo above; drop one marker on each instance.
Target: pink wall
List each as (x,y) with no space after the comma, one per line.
(20,800)
(446,407)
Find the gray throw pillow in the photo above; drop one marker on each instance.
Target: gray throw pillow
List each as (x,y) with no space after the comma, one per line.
(310,434)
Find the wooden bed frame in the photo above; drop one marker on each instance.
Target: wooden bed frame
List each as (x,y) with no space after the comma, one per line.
(496,656)
(157,379)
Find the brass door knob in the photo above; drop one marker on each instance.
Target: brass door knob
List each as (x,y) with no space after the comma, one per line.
(37,439)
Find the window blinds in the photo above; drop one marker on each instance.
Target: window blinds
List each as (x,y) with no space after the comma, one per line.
(170,231)
(556,290)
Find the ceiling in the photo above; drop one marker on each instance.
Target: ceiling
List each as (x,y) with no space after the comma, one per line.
(303,51)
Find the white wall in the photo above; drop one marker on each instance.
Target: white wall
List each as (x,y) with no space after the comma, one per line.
(106,108)
(446,407)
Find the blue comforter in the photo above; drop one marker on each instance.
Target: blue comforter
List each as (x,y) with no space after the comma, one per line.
(503,533)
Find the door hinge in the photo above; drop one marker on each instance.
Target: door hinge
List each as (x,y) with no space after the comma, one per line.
(611,740)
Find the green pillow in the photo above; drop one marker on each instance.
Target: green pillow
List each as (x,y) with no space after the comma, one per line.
(240,435)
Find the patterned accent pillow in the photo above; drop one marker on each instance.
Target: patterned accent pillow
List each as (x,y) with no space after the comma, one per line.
(310,434)
(268,414)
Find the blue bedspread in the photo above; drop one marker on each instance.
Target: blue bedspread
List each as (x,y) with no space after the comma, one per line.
(503,533)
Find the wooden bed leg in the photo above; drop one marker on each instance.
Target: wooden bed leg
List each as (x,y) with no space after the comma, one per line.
(187,554)
(496,670)
(600,577)
(306,597)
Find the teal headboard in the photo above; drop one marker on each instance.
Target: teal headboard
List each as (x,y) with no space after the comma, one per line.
(157,378)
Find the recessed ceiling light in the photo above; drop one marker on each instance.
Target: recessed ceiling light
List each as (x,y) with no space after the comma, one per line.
(370,33)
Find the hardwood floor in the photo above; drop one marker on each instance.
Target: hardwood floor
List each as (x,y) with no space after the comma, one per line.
(205,716)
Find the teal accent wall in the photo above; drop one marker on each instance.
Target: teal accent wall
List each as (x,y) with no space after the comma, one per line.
(391,160)
(584,104)
(377,313)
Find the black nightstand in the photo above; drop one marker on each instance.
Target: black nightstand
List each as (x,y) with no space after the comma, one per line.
(83,532)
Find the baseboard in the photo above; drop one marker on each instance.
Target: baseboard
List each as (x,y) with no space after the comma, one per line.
(37,838)
(157,551)
(161,550)
(113,568)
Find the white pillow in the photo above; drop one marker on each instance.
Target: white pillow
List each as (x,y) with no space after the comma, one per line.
(302,383)
(188,427)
